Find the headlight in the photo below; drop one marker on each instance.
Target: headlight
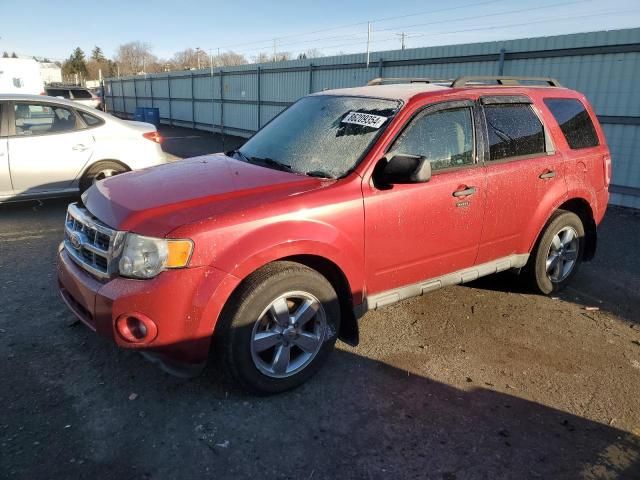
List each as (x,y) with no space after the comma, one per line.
(146,257)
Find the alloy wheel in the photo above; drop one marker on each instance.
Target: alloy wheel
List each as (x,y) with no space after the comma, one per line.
(288,334)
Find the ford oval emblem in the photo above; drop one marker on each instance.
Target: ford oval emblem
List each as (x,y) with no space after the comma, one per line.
(76,240)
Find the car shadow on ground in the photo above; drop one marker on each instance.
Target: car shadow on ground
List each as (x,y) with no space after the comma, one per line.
(358,418)
(609,282)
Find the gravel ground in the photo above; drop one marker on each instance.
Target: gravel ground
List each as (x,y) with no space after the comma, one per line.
(478,381)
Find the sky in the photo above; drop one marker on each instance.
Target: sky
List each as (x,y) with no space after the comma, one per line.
(54,29)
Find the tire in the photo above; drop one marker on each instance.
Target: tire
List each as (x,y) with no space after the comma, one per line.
(253,341)
(558,253)
(99,171)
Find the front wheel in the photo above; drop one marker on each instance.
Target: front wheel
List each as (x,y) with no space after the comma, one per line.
(558,253)
(278,328)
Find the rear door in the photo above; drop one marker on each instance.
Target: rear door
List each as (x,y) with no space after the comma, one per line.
(6,189)
(524,172)
(417,232)
(48,146)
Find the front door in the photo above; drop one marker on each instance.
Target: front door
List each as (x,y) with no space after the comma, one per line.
(47,147)
(420,231)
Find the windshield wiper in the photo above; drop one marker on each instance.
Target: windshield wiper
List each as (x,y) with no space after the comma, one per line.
(270,162)
(319,174)
(231,153)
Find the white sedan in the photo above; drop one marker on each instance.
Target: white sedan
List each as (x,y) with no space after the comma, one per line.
(53,147)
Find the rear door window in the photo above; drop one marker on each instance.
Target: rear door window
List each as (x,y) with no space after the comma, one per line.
(38,119)
(514,131)
(574,121)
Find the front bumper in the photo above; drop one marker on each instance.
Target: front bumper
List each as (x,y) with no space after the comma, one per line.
(184,304)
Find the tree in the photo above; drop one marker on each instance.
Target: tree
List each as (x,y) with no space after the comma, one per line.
(97,55)
(5,55)
(230,59)
(13,55)
(262,57)
(75,65)
(188,58)
(136,57)
(313,53)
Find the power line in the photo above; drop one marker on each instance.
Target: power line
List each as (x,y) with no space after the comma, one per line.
(415,14)
(358,36)
(509,25)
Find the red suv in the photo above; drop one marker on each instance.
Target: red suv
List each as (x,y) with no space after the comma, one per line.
(347,201)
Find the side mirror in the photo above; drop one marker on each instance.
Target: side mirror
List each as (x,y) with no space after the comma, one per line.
(400,168)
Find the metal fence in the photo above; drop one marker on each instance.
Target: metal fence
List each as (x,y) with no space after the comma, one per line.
(239,100)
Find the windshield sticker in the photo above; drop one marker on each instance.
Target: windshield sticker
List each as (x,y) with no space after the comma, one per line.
(365,119)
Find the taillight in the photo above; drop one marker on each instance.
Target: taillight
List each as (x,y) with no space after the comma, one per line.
(607,170)
(153,136)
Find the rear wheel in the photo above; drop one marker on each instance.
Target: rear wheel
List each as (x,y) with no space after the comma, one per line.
(558,253)
(100,171)
(278,328)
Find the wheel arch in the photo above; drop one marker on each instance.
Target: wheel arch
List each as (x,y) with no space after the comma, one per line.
(583,210)
(93,163)
(335,276)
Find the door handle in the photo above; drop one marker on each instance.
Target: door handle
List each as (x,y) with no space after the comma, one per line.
(547,175)
(465,192)
(79,148)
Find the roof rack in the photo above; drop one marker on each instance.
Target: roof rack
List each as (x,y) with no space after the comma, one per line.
(504,81)
(391,80)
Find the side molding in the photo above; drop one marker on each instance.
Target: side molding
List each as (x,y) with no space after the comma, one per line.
(373,302)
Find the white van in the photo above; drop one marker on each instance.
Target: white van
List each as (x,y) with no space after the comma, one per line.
(20,75)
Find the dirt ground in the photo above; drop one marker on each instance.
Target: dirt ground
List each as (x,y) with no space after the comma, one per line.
(482,381)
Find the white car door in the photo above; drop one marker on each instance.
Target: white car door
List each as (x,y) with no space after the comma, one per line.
(5,179)
(48,147)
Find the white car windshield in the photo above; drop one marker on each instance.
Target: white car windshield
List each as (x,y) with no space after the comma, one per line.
(320,135)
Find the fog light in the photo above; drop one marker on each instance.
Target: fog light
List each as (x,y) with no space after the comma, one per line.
(136,328)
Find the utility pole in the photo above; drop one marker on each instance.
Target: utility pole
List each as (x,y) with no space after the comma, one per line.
(274,49)
(211,60)
(402,37)
(198,56)
(368,41)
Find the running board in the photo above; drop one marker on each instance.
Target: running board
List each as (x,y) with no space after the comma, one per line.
(383,299)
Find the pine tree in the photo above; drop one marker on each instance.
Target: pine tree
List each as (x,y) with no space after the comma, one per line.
(97,55)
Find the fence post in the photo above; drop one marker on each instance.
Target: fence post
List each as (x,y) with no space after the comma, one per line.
(124,104)
(169,93)
(135,93)
(259,98)
(311,78)
(213,101)
(501,62)
(222,109)
(151,89)
(193,104)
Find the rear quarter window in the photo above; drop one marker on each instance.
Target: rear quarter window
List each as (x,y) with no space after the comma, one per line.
(90,120)
(574,121)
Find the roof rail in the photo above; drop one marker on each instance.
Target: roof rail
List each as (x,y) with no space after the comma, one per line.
(387,80)
(504,81)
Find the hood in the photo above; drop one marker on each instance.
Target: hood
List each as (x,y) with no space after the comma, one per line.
(157,200)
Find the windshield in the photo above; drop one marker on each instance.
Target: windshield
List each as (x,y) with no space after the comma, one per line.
(324,136)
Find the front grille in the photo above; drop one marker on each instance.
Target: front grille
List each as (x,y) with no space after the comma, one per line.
(90,243)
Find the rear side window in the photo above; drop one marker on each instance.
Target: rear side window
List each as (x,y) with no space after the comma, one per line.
(574,121)
(81,94)
(56,92)
(37,119)
(514,131)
